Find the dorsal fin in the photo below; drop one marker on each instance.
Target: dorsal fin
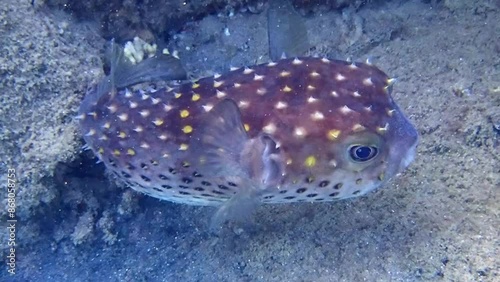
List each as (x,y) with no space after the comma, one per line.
(123,74)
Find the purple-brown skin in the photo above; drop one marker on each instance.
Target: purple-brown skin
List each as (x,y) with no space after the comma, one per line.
(303,129)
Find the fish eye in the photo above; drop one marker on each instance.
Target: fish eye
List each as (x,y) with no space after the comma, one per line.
(362,153)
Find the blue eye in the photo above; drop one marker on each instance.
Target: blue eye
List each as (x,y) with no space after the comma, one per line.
(361,153)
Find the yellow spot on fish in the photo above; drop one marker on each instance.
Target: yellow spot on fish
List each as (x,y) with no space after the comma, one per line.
(272,64)
(195,85)
(158,121)
(218,83)
(138,128)
(310,161)
(145,145)
(356,94)
(286,89)
(237,85)
(103,138)
(122,134)
(334,94)
(390,112)
(333,134)
(289,161)
(163,137)
(165,155)
(130,152)
(144,113)
(100,150)
(106,125)
(184,113)
(325,60)
(353,66)
(261,91)
(284,73)
(217,75)
(339,77)
(183,147)
(368,109)
(116,152)
(144,96)
(187,129)
(177,95)
(310,87)
(195,97)
(247,127)
(123,117)
(233,68)
(358,127)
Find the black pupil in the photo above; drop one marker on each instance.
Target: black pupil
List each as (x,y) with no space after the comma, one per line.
(363,153)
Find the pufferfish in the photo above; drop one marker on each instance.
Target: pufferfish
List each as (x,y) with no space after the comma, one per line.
(300,129)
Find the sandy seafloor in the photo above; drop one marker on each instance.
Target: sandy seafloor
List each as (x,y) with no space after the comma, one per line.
(438,221)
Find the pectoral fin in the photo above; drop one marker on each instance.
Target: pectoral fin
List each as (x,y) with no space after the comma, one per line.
(220,140)
(226,150)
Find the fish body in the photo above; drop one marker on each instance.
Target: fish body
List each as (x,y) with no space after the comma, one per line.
(294,130)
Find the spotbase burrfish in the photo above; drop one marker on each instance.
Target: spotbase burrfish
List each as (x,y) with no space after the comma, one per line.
(294,130)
